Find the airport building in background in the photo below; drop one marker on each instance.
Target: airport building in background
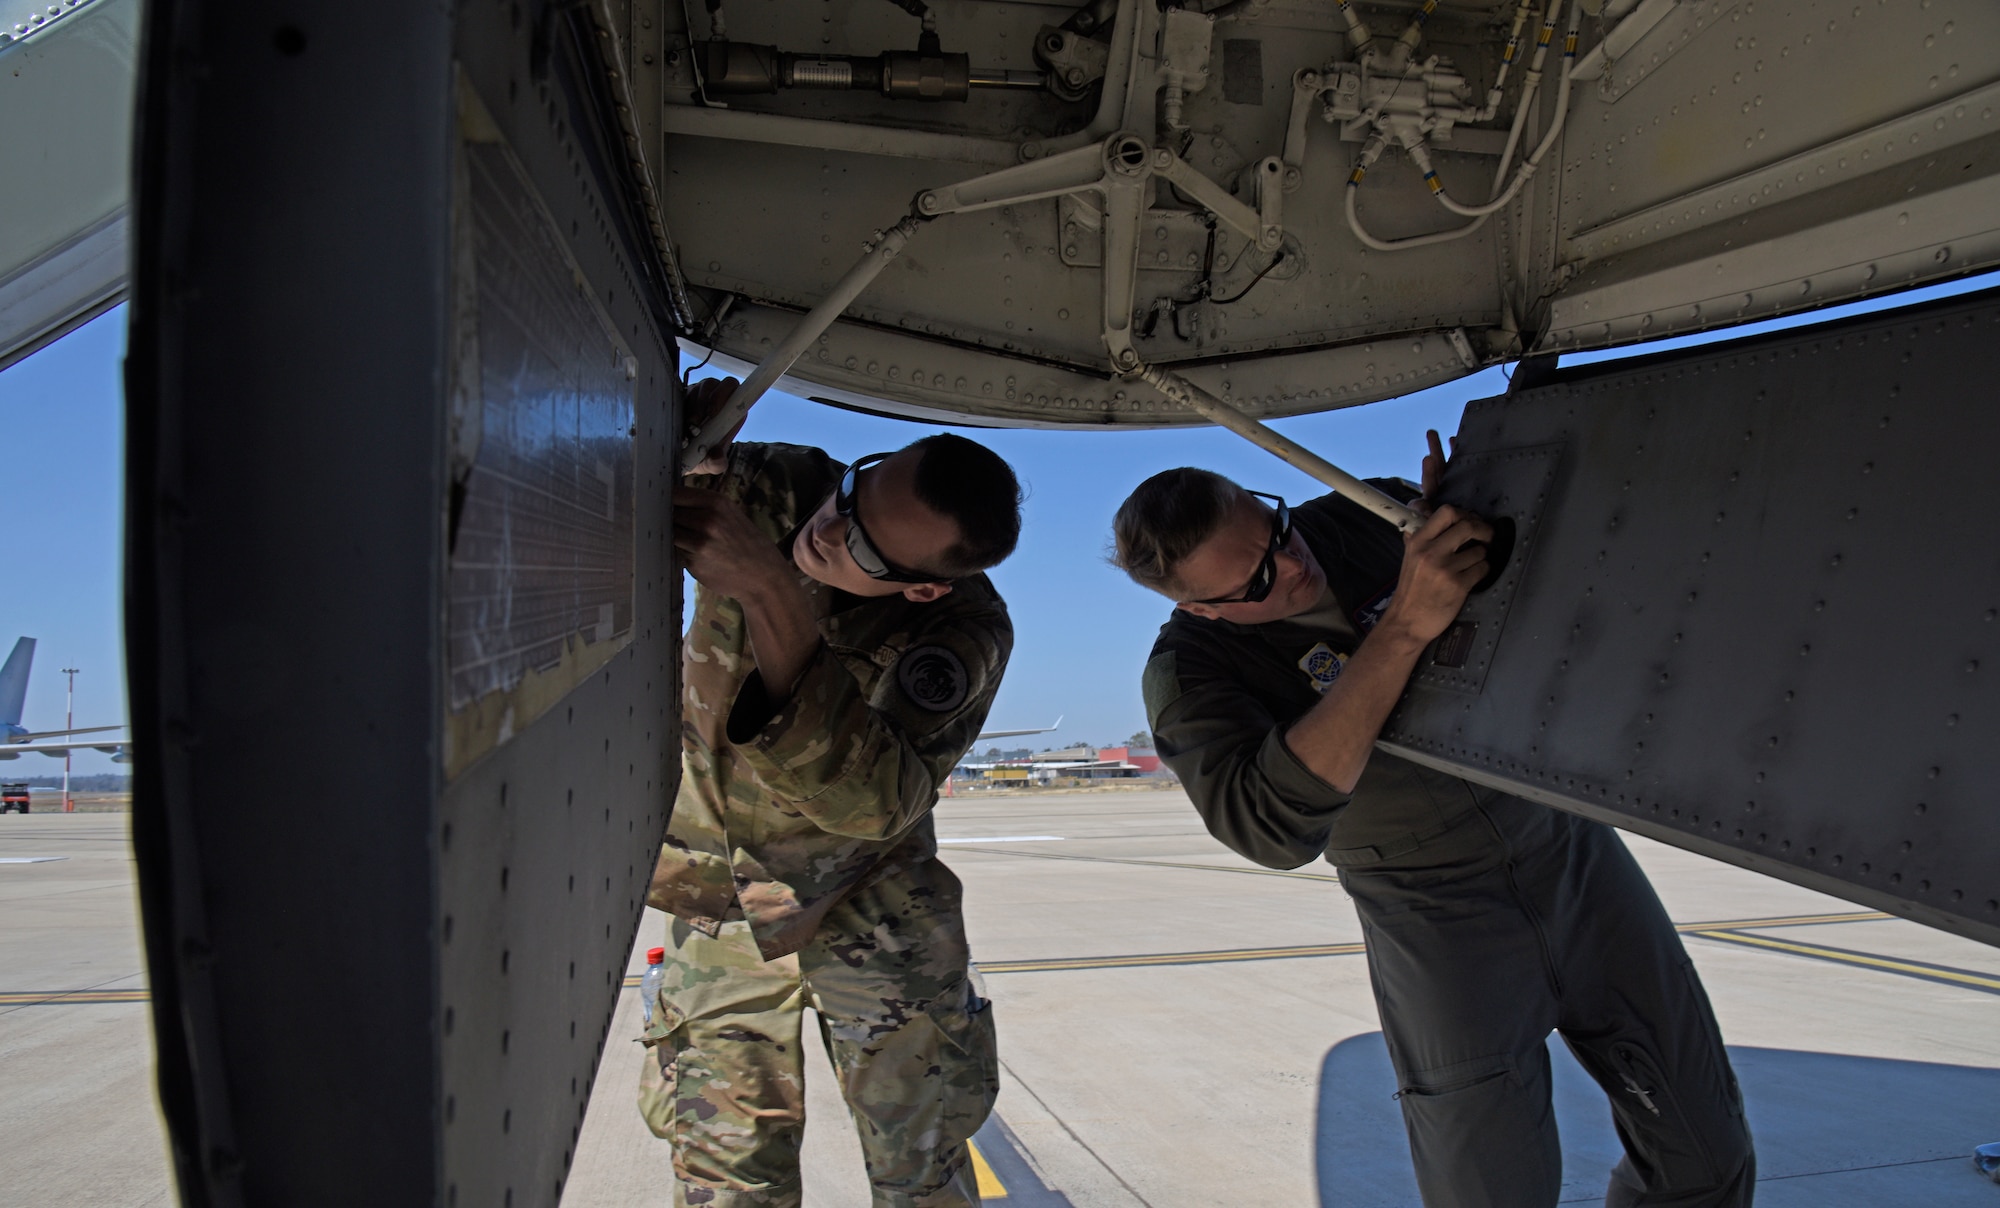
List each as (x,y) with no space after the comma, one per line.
(1063,768)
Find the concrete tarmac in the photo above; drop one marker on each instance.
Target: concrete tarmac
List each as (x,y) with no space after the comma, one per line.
(78,1121)
(1177,1028)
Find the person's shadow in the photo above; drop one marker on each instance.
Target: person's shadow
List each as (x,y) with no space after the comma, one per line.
(1831,1130)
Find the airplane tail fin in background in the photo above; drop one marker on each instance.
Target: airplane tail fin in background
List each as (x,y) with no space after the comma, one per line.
(14,682)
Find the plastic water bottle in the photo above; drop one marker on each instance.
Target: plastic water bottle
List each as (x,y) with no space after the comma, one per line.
(649,985)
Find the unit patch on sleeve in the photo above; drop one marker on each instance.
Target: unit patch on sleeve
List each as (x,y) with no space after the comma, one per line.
(1322,666)
(1368,614)
(934,678)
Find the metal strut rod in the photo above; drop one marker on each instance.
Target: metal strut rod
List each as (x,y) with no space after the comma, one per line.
(774,366)
(1117,168)
(1179,389)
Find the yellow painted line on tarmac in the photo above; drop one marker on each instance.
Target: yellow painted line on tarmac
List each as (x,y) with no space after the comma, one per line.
(1918,969)
(1255,872)
(1170,958)
(1787,920)
(56,998)
(1725,930)
(1224,956)
(990,1186)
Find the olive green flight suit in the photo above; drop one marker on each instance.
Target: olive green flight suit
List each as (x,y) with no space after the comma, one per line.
(801,868)
(1489,921)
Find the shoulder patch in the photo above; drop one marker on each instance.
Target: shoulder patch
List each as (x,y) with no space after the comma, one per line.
(1322,666)
(934,678)
(1161,685)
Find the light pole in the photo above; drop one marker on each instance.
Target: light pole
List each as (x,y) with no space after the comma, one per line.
(69,723)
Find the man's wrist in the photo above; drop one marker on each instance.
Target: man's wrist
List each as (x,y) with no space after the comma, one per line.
(774,589)
(1395,633)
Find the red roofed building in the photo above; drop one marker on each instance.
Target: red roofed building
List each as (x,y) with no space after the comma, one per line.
(1143,758)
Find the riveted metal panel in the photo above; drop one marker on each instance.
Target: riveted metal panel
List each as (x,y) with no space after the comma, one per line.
(1758,620)
(1511,483)
(383,959)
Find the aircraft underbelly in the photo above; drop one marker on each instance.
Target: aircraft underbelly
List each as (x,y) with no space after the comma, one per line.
(66,82)
(1729,162)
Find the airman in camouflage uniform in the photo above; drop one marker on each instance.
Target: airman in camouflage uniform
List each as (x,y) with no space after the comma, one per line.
(801,865)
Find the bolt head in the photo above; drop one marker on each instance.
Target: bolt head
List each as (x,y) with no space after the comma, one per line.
(1075,77)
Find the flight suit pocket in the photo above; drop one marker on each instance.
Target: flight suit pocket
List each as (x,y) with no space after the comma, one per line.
(1481,1132)
(661,1039)
(1671,1143)
(1451,1080)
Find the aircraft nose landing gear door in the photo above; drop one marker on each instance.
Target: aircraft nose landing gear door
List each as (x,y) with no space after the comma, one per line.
(402,617)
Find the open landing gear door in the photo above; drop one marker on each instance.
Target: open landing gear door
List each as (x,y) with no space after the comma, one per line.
(401,616)
(1753,609)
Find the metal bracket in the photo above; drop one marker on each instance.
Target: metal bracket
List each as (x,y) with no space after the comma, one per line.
(1306,87)
(1218,200)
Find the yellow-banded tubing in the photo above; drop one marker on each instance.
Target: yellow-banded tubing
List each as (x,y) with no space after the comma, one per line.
(1569,47)
(1431,179)
(1548,34)
(1354,177)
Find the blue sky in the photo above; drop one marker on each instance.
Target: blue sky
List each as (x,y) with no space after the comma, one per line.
(1081,629)
(62,447)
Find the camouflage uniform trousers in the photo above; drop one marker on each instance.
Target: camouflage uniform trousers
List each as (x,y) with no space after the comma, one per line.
(911,1041)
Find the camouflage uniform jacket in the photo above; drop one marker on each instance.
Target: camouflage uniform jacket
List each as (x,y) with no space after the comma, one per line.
(1220,696)
(782,812)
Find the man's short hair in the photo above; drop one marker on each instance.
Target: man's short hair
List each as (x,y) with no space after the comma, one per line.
(977,490)
(1165,520)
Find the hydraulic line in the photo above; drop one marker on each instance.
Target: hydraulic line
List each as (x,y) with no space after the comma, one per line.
(1375,145)
(1507,57)
(1534,161)
(1358,36)
(1413,34)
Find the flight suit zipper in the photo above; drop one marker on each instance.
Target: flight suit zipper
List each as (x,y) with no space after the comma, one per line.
(1527,907)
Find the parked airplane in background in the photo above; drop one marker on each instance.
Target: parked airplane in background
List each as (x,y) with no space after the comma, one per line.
(15,739)
(986,734)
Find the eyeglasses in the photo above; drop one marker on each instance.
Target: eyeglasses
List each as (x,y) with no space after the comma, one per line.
(847,503)
(1266,576)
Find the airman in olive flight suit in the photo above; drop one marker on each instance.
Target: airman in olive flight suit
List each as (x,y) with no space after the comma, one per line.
(800,865)
(1489,921)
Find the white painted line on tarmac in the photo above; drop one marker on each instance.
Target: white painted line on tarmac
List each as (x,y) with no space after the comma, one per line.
(1008,839)
(30,859)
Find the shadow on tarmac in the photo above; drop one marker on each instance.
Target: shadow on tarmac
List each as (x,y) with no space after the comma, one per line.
(1811,1113)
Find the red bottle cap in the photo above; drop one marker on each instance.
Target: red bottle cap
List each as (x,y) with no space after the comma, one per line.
(656,956)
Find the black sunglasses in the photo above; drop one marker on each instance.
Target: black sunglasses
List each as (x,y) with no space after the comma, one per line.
(847,503)
(1266,576)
